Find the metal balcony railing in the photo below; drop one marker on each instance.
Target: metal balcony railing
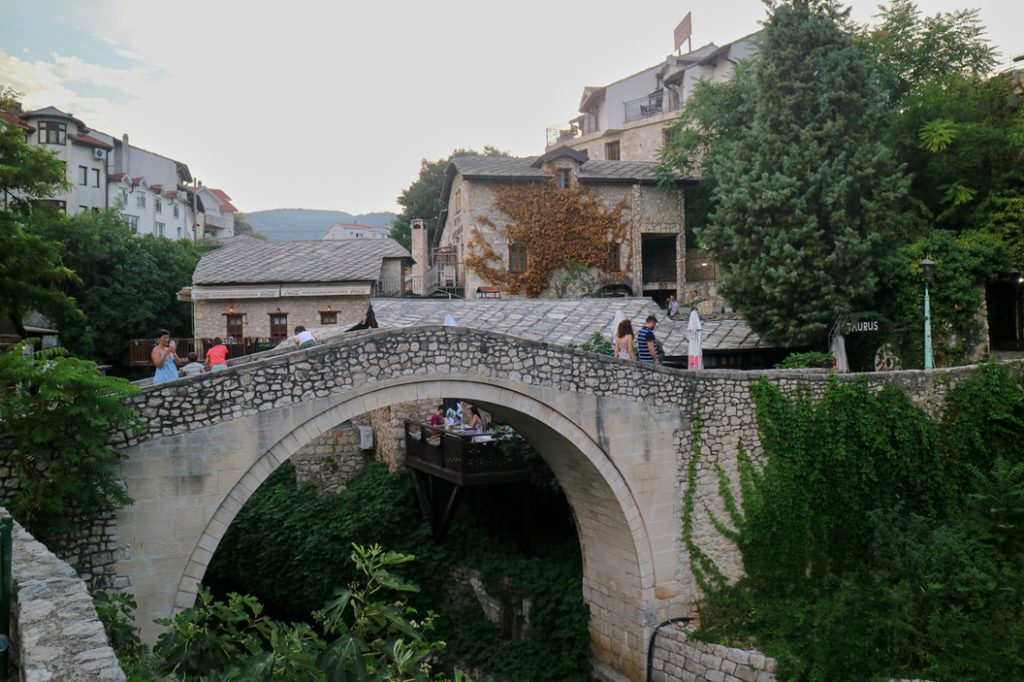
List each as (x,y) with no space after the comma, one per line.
(652,105)
(569,132)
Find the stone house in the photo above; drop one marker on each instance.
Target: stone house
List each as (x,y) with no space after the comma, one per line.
(253,288)
(647,256)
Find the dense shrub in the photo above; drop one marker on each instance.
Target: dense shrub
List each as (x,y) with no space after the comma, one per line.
(876,541)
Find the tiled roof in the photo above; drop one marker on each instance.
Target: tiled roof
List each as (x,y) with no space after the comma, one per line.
(244,260)
(116,176)
(157,188)
(564,321)
(497,167)
(225,200)
(90,141)
(14,119)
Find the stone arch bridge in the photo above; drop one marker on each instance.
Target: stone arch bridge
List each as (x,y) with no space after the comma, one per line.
(616,434)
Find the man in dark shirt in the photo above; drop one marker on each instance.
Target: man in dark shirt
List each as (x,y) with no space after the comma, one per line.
(647,348)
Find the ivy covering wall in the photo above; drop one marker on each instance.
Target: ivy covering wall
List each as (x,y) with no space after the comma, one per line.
(560,229)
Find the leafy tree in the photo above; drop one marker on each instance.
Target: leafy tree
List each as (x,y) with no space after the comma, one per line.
(57,414)
(126,287)
(242,226)
(913,50)
(964,262)
(808,198)
(422,199)
(31,269)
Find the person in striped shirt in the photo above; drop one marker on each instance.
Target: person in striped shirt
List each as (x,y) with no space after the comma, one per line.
(647,347)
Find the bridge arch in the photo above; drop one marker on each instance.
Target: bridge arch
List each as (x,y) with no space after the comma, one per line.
(618,565)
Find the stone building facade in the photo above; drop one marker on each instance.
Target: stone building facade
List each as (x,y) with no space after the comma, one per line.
(251,288)
(650,260)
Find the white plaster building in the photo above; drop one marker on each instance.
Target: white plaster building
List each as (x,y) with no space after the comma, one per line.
(626,120)
(357,231)
(152,191)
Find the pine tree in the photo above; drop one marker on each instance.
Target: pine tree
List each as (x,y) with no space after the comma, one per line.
(808,195)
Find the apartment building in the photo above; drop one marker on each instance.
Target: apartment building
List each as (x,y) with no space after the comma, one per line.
(626,120)
(151,190)
(357,231)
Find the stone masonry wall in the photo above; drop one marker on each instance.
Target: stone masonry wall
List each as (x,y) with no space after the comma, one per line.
(92,550)
(677,657)
(332,460)
(209,315)
(56,632)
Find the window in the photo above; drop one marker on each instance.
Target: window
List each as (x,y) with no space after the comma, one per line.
(234,327)
(179,232)
(160,227)
(517,258)
(51,204)
(52,132)
(95,177)
(140,200)
(563,178)
(158,205)
(328,317)
(83,175)
(278,326)
(614,262)
(82,209)
(611,151)
(124,197)
(668,136)
(176,211)
(133,222)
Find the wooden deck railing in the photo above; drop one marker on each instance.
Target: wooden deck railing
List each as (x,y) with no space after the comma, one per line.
(140,349)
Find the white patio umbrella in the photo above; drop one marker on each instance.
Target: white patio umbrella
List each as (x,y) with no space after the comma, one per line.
(694,342)
(838,349)
(619,317)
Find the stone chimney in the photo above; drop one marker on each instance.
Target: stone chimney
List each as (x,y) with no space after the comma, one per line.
(122,167)
(419,254)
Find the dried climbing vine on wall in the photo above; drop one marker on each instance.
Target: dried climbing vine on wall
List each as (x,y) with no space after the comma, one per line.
(560,228)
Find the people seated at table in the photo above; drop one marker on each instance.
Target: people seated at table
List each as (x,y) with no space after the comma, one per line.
(437,419)
(476,422)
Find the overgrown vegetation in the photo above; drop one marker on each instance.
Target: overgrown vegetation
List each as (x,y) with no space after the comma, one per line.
(804,360)
(876,541)
(284,547)
(360,635)
(56,415)
(565,232)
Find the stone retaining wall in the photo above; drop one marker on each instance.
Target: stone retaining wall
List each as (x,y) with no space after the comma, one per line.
(56,632)
(92,550)
(677,657)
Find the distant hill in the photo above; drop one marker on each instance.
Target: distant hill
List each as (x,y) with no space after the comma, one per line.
(295,224)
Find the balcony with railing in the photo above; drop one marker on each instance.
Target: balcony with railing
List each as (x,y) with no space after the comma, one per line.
(562,134)
(651,105)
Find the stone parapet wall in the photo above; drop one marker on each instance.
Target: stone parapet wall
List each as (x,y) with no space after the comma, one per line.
(677,657)
(56,632)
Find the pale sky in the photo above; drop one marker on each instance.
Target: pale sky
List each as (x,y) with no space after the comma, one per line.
(332,105)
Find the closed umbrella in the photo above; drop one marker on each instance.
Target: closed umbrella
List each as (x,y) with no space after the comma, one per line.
(694,342)
(840,361)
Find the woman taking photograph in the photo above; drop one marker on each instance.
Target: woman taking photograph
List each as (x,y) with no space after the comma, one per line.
(163,358)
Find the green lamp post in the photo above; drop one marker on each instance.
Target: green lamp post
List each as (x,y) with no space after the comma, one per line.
(927,272)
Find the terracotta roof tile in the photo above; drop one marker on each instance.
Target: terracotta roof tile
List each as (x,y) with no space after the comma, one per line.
(90,141)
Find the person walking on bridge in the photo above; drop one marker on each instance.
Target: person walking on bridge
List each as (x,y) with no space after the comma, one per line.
(647,344)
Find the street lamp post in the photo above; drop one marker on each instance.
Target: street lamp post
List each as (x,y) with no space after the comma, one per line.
(927,271)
